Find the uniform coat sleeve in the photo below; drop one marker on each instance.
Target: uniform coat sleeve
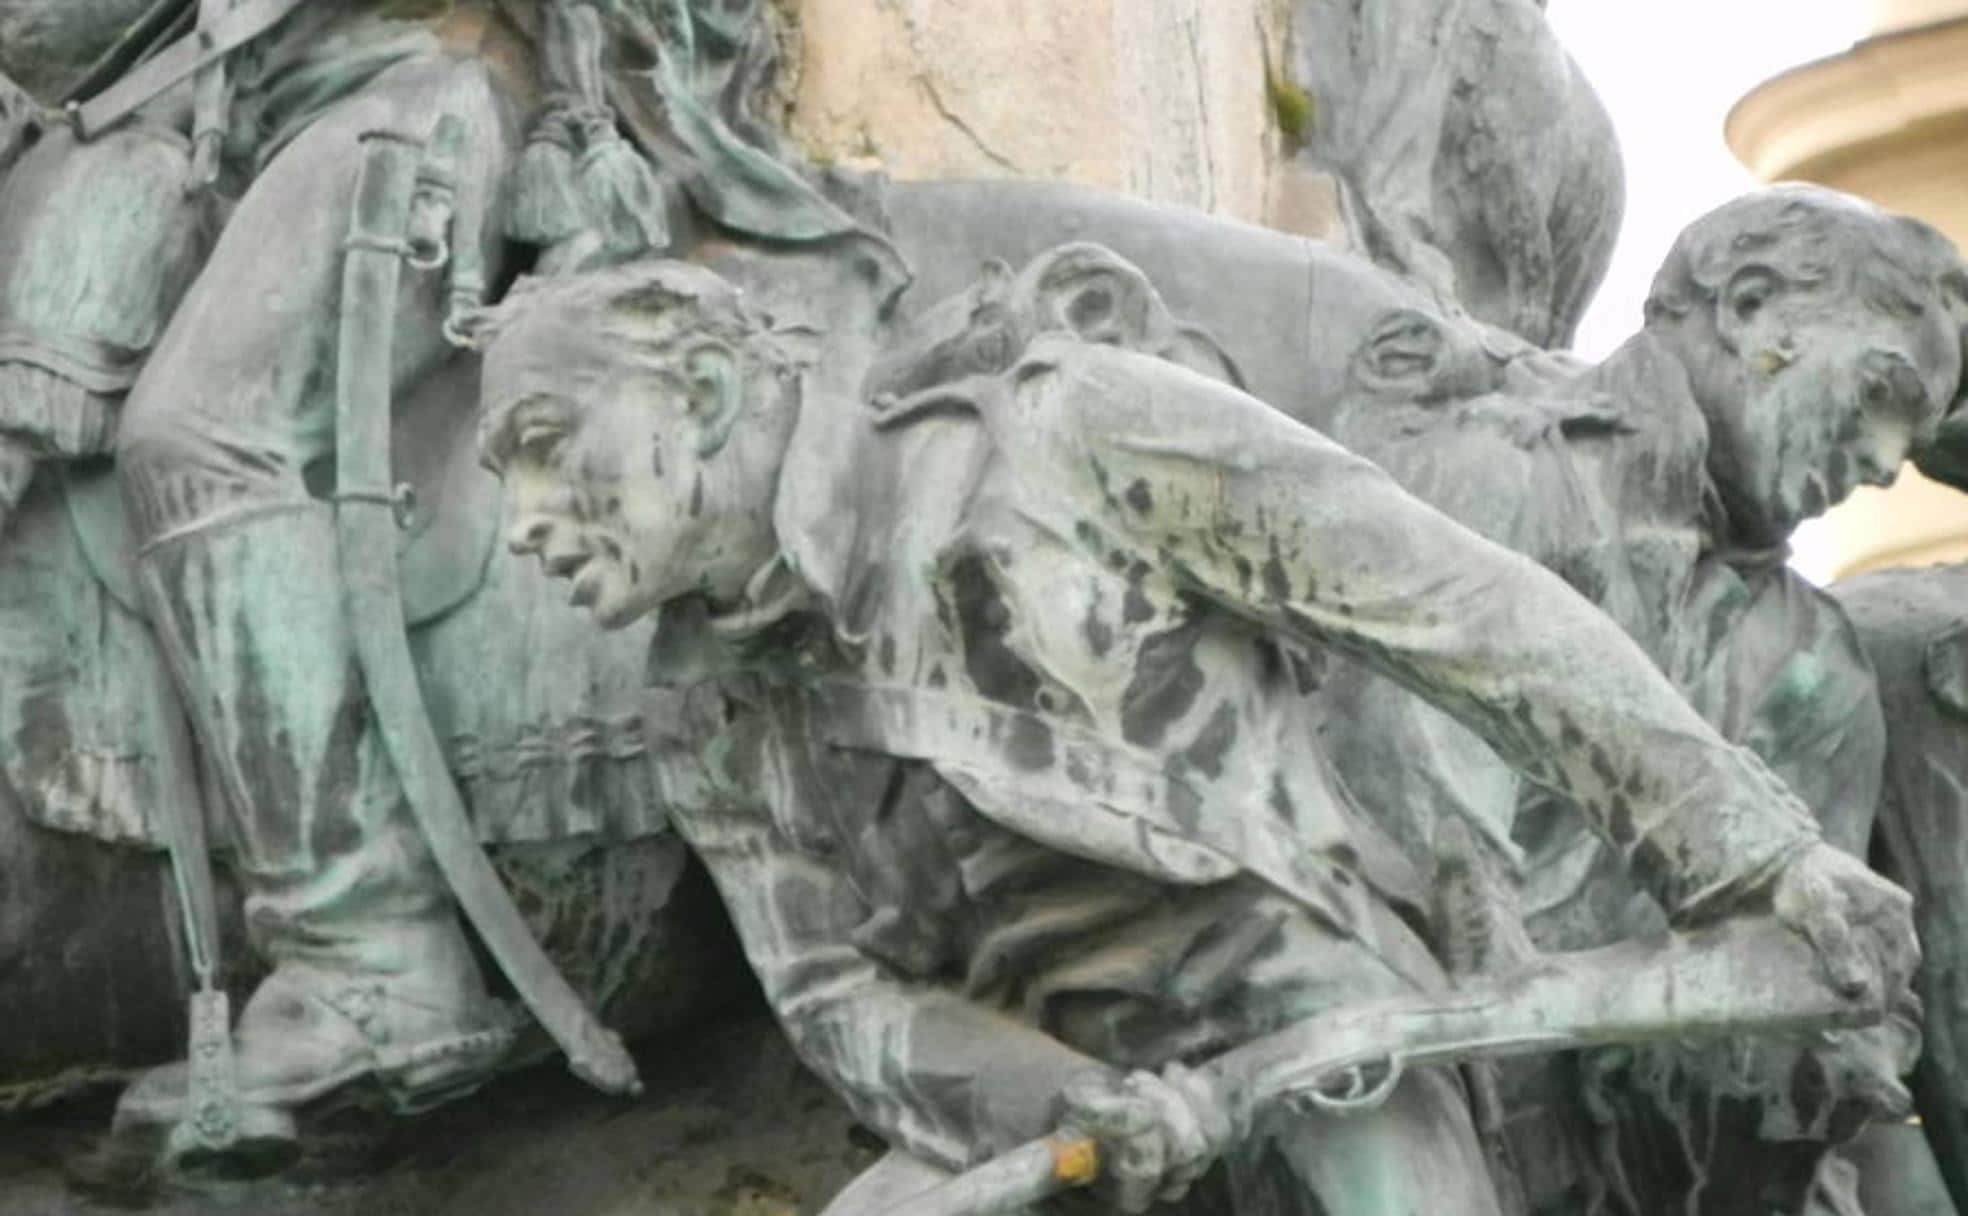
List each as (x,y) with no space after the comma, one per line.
(940,1076)
(1291,531)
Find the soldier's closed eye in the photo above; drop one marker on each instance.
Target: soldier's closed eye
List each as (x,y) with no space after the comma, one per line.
(538,429)
(1750,290)
(540,443)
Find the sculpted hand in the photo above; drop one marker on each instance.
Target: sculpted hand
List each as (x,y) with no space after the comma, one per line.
(1157,1134)
(1860,925)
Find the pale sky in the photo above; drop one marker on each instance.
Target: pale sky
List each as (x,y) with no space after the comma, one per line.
(1668,71)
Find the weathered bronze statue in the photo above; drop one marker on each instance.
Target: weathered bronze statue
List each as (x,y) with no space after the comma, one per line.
(1072,670)
(1775,372)
(1024,782)
(217,373)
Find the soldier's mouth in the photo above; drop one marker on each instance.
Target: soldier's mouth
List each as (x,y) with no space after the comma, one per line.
(587,587)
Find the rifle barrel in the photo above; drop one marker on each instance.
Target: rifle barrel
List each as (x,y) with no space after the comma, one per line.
(1751,976)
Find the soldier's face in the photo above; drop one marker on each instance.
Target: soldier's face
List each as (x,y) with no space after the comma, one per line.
(1827,388)
(602,500)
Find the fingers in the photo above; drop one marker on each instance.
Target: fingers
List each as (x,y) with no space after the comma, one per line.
(1133,1150)
(1902,943)
(1188,1123)
(1157,1135)
(1844,965)
(1812,903)
(1882,1095)
(1880,918)
(1140,1171)
(1866,1066)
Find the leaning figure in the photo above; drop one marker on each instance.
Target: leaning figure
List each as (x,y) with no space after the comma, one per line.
(1006,702)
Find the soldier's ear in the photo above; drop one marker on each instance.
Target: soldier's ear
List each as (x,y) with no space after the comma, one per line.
(1096,294)
(1402,356)
(716,393)
(1740,304)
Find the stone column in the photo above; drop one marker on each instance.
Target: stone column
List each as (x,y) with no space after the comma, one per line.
(1176,101)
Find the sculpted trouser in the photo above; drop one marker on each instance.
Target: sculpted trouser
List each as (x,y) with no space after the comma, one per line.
(1912,624)
(234,409)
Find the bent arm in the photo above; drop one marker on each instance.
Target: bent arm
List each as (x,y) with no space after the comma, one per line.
(942,1077)
(1291,531)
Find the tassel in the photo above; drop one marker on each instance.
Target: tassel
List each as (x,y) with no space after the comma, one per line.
(615,210)
(623,195)
(547,208)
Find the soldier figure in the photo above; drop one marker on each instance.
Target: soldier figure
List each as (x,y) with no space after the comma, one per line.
(1013,774)
(209,365)
(225,431)
(206,359)
(1798,343)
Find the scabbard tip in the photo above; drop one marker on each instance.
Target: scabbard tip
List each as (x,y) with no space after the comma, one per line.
(607,1066)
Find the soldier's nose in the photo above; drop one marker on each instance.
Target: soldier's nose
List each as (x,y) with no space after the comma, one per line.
(1877,468)
(528,536)
(1890,385)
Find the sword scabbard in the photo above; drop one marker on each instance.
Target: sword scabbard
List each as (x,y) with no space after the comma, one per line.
(377,249)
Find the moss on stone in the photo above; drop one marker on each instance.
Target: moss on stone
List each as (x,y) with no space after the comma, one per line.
(1293,107)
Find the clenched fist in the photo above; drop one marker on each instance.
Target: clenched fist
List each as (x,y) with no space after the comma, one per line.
(1860,925)
(1157,1134)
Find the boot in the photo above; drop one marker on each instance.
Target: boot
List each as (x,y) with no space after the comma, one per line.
(372,978)
(310,1030)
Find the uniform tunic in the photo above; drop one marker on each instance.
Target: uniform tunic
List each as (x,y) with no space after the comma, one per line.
(1047,788)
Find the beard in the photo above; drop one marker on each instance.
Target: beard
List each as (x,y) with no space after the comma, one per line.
(1771,470)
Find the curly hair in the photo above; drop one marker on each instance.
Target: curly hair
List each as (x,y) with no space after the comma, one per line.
(1082,289)
(1810,236)
(650,306)
(575,337)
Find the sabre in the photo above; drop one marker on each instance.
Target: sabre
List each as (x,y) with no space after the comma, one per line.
(1747,977)
(368,511)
